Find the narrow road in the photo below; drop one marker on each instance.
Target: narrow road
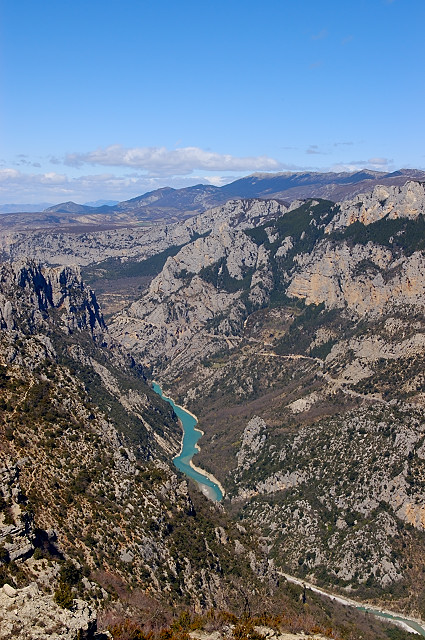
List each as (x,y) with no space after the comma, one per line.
(406,622)
(337,384)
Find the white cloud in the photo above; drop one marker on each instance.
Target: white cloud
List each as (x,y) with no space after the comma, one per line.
(159,161)
(376,164)
(320,35)
(9,174)
(379,162)
(51,186)
(13,176)
(16,186)
(217,181)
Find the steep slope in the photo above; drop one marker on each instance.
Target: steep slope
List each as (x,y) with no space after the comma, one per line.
(179,312)
(93,518)
(167,205)
(85,461)
(299,344)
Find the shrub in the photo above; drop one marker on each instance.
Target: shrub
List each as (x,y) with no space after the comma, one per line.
(70,574)
(4,555)
(64,596)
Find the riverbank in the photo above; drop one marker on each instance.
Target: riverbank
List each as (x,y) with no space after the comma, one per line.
(212,489)
(407,623)
(208,475)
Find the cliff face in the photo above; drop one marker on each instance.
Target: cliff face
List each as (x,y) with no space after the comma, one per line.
(181,307)
(29,610)
(90,503)
(299,343)
(388,202)
(29,292)
(367,280)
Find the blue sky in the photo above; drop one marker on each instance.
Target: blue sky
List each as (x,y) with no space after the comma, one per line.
(112,98)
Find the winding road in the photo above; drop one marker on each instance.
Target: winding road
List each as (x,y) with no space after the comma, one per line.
(407,623)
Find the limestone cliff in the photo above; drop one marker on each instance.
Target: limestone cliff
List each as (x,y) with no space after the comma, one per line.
(28,292)
(180,308)
(390,202)
(136,243)
(365,279)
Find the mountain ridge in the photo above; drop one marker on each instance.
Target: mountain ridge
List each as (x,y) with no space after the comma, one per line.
(306,329)
(169,205)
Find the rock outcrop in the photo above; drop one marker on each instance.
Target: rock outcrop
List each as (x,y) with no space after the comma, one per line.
(17,534)
(389,202)
(365,279)
(28,292)
(29,613)
(183,305)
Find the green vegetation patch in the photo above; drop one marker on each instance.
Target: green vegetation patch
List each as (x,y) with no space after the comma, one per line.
(301,332)
(218,275)
(303,220)
(115,268)
(305,226)
(403,234)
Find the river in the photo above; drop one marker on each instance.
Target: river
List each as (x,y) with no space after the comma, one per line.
(407,623)
(209,485)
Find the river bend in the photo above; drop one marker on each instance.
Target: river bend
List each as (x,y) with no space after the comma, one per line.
(209,485)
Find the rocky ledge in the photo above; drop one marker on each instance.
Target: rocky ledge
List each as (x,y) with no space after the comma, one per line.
(29,611)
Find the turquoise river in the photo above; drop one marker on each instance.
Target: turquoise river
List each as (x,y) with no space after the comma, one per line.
(183,461)
(212,490)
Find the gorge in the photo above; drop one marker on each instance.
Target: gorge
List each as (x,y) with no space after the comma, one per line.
(294,332)
(189,447)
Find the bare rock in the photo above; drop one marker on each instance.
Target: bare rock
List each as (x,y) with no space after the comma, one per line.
(30,614)
(407,201)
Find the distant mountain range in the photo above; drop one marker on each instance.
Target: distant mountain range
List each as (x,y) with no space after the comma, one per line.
(29,208)
(42,206)
(100,203)
(171,205)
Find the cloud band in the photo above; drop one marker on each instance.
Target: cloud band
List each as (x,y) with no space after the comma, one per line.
(161,161)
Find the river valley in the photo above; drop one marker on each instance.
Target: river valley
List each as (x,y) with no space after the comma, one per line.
(209,485)
(213,490)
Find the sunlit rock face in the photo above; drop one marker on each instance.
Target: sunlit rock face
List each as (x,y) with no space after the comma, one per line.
(407,201)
